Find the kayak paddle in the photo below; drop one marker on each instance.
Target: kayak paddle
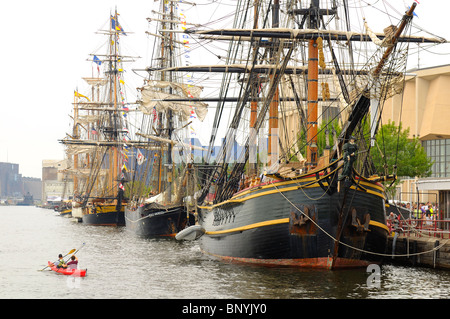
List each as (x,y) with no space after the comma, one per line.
(63,257)
(74,253)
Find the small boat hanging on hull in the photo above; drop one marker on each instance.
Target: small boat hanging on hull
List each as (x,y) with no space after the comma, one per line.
(190,233)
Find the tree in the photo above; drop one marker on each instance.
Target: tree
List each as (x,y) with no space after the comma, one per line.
(399,150)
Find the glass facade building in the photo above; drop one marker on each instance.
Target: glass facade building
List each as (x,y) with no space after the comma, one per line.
(439,152)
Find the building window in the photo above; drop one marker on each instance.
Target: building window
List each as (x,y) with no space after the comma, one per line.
(439,152)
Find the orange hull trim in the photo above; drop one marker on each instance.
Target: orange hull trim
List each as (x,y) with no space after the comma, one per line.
(317,263)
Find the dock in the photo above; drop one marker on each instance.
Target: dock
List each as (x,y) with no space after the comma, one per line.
(420,246)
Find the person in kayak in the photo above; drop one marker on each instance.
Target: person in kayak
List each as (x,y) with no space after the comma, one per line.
(73,263)
(60,262)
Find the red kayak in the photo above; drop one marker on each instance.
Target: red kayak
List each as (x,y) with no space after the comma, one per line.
(66,271)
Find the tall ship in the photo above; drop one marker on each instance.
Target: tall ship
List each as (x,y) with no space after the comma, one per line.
(162,174)
(312,94)
(98,145)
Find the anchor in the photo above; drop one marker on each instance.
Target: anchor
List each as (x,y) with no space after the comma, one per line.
(357,223)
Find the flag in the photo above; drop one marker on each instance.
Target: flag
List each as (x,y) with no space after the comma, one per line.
(140,158)
(81,95)
(97,60)
(94,131)
(116,26)
(155,115)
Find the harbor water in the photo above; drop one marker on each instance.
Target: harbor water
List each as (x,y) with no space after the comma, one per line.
(121,265)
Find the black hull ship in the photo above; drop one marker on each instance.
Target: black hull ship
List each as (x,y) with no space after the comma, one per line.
(318,211)
(292,228)
(153,220)
(100,214)
(158,184)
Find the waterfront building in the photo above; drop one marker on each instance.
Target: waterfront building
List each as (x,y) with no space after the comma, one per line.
(424,107)
(13,186)
(56,184)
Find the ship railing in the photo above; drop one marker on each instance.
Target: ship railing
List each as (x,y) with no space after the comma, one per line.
(420,227)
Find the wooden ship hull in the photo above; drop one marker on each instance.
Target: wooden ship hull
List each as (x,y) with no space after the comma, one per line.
(104,215)
(294,223)
(156,221)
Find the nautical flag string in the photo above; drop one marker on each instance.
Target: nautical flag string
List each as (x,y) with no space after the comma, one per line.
(115,25)
(186,54)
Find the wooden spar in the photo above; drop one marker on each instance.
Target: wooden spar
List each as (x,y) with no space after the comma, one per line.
(257,69)
(396,36)
(313,93)
(306,35)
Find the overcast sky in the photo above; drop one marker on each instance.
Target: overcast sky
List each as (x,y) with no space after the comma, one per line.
(44,47)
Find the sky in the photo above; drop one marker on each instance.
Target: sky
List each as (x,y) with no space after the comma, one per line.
(44,50)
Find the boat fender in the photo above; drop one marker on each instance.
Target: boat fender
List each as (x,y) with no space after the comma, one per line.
(191,233)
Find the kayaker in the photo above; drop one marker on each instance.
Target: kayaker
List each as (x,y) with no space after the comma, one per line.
(60,262)
(73,263)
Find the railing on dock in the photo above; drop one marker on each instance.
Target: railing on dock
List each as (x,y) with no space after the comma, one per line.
(420,227)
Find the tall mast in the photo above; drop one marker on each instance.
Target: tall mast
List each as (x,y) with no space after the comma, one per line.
(313,89)
(273,109)
(170,112)
(75,136)
(254,104)
(115,150)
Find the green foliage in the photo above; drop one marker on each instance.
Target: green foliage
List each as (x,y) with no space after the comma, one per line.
(137,187)
(409,155)
(321,137)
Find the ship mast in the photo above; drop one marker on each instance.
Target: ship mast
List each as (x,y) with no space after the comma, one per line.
(313,89)
(253,166)
(113,160)
(273,108)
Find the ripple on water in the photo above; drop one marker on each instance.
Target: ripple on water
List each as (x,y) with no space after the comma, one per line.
(121,265)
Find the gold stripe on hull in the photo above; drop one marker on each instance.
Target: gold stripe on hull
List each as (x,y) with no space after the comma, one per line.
(275,222)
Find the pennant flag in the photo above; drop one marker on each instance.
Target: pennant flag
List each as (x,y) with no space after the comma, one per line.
(81,95)
(124,168)
(140,158)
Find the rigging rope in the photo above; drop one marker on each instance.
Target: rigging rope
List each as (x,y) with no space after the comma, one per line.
(352,247)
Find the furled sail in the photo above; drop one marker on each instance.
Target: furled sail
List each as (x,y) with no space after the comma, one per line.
(152,97)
